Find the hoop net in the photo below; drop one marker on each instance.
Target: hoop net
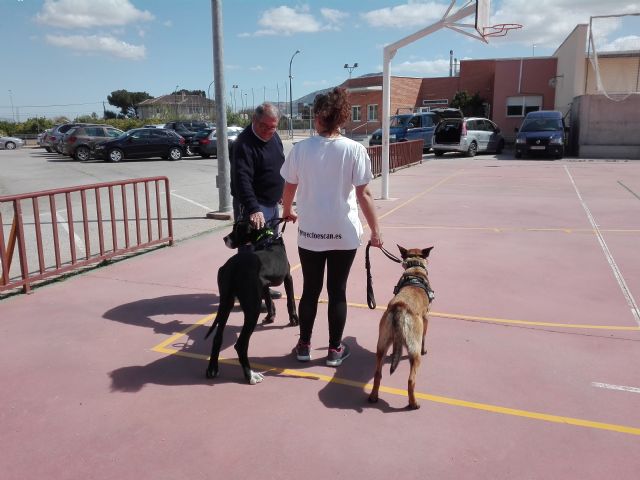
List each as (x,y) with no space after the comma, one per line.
(499,30)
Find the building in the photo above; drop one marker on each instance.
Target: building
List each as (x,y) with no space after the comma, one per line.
(602,108)
(178,105)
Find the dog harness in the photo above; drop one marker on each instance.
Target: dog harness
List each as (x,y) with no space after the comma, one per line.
(415,281)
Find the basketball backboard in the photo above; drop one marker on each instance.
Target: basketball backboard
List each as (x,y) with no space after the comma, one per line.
(483,12)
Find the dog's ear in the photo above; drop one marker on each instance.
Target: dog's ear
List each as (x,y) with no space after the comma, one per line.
(426,251)
(403,251)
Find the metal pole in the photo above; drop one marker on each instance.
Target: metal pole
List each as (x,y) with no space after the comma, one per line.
(291,97)
(223,180)
(13,115)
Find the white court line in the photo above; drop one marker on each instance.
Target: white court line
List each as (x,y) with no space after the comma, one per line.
(615,387)
(208,209)
(616,271)
(63,223)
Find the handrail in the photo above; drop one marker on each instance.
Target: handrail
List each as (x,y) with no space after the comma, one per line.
(401,154)
(56,255)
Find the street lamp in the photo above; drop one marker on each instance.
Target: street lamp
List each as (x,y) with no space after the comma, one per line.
(291,96)
(235,105)
(209,107)
(175,100)
(209,90)
(13,115)
(350,67)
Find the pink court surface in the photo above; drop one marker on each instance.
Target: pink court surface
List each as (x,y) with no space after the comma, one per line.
(531,371)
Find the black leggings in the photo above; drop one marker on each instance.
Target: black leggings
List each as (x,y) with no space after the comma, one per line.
(338,264)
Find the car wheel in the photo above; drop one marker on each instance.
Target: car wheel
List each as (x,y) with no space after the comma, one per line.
(500,147)
(10,146)
(82,154)
(438,153)
(205,155)
(115,155)
(48,149)
(473,149)
(175,153)
(558,157)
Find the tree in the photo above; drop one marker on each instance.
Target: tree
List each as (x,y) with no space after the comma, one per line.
(126,101)
(471,106)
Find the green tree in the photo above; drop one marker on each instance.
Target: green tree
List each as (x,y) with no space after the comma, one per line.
(126,101)
(471,106)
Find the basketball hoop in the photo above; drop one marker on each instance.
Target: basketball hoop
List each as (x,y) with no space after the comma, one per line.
(499,30)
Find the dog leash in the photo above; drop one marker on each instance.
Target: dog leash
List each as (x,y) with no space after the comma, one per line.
(371,300)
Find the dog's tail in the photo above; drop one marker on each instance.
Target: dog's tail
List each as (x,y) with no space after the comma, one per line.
(397,320)
(211,328)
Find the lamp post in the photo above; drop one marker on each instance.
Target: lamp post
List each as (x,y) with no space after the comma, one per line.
(13,115)
(350,67)
(175,100)
(209,107)
(235,105)
(291,97)
(209,90)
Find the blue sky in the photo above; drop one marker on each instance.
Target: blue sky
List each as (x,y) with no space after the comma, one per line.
(66,56)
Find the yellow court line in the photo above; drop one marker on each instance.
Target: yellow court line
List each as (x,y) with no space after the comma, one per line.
(162,348)
(474,318)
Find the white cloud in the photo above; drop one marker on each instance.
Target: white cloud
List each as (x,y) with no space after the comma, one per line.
(168,23)
(412,14)
(422,68)
(257,68)
(332,15)
(98,44)
(90,13)
(284,20)
(548,22)
(630,42)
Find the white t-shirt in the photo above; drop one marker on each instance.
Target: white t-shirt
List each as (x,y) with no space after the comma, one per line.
(327,170)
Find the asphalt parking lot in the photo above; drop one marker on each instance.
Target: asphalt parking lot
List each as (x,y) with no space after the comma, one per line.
(530,372)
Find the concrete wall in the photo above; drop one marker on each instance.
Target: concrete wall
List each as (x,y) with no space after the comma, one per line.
(569,80)
(606,129)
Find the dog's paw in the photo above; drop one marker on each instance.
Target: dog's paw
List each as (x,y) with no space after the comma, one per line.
(256,378)
(413,406)
(211,373)
(373,398)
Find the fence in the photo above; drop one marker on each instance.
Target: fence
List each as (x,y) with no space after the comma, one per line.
(401,154)
(137,217)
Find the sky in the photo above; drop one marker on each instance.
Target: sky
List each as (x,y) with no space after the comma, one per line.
(64,57)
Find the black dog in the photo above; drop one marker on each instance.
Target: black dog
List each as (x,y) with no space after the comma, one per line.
(248,276)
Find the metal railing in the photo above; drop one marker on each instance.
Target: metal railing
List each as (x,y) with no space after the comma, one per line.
(401,154)
(138,217)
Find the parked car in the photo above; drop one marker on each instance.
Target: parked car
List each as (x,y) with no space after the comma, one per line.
(10,143)
(541,132)
(195,141)
(42,136)
(53,142)
(80,141)
(470,135)
(142,143)
(187,129)
(409,126)
(209,145)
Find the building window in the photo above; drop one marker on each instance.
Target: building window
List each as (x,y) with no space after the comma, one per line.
(372,113)
(436,102)
(520,106)
(355,113)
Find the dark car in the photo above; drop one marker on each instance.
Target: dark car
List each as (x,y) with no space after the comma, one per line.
(409,126)
(80,141)
(541,133)
(142,143)
(187,129)
(208,145)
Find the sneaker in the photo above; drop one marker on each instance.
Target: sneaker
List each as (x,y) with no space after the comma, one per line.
(303,351)
(337,355)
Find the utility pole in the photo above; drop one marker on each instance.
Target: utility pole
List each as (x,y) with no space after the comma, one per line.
(291,96)
(223,180)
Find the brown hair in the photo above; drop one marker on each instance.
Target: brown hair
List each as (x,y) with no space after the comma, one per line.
(332,109)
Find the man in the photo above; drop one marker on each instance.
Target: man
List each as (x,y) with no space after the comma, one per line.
(256,183)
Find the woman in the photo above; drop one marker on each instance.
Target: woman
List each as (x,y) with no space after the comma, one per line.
(328,172)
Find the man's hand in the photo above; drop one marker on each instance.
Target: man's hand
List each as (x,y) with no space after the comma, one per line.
(257,220)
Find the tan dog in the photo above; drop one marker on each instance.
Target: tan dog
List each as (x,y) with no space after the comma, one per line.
(404,323)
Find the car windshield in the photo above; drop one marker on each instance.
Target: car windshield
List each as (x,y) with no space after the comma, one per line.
(541,125)
(399,121)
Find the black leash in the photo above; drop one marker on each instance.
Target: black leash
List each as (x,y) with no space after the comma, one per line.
(371,300)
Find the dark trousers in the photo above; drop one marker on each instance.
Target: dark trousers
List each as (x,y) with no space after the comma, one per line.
(338,264)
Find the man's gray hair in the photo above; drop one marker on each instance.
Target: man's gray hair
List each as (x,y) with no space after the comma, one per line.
(268,109)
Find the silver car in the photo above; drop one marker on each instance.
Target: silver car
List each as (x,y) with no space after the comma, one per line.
(9,143)
(468,136)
